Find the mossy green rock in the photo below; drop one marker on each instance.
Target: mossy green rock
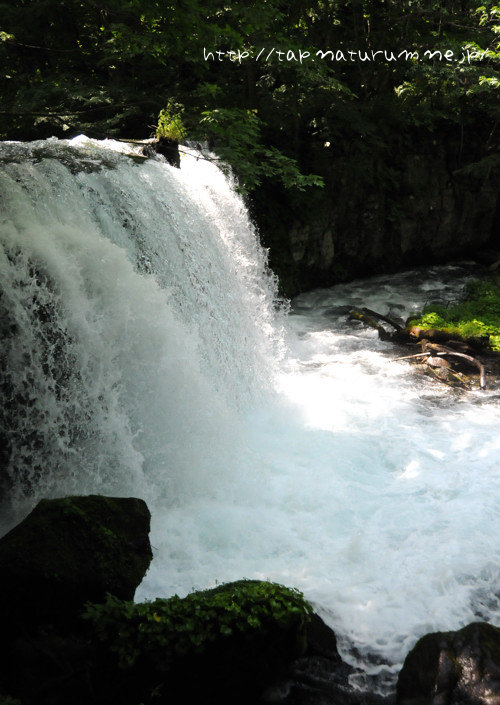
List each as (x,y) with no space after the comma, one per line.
(69,551)
(448,668)
(224,645)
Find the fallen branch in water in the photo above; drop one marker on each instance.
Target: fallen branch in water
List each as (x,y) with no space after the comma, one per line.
(440,350)
(429,349)
(397,326)
(370,321)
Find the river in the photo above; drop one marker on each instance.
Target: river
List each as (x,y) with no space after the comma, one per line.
(145,353)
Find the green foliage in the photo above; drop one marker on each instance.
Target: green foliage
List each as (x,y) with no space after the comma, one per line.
(170,125)
(237,134)
(164,629)
(476,317)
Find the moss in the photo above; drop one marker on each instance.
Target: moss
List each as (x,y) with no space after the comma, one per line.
(476,317)
(191,624)
(230,640)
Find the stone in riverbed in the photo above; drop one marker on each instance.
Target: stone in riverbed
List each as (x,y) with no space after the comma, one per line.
(453,668)
(69,551)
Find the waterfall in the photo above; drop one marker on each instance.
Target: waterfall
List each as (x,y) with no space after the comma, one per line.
(144,352)
(137,315)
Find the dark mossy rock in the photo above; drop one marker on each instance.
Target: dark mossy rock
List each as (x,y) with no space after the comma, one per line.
(453,668)
(170,150)
(225,645)
(69,551)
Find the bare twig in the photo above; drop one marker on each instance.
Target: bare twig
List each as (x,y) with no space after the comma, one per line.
(410,357)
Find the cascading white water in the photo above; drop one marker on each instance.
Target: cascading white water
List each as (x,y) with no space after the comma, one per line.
(144,310)
(143,354)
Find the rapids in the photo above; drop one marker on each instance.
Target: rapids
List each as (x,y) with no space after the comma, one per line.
(144,352)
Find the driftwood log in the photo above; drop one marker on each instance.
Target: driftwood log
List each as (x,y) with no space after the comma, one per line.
(435,345)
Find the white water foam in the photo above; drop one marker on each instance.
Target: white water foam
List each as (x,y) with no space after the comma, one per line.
(134,321)
(142,355)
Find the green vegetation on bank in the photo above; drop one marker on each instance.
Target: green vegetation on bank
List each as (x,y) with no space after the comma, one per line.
(478,316)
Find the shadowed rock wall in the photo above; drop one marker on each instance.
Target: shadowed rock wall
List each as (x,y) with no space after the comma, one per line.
(431,209)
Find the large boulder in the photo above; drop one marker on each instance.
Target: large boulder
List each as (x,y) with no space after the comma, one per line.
(453,668)
(70,551)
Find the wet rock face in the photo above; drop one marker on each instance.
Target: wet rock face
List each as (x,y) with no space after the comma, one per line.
(453,668)
(69,551)
(320,676)
(437,217)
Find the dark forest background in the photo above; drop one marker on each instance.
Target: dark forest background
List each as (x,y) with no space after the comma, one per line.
(349,167)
